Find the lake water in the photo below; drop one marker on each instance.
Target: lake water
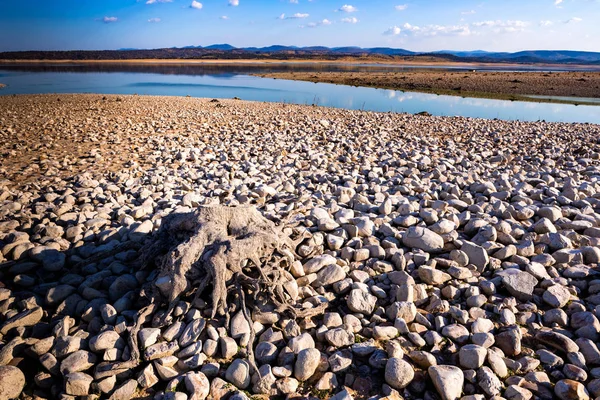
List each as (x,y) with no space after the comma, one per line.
(229,82)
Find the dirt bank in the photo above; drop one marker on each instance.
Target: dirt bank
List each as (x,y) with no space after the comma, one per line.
(471,84)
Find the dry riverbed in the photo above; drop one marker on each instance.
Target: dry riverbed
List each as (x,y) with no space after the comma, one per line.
(503,85)
(454,257)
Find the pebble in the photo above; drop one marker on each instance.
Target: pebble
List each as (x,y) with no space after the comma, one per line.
(424,239)
(398,373)
(431,240)
(238,373)
(12,382)
(306,363)
(448,381)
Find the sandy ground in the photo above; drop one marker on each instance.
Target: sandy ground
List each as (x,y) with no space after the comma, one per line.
(572,84)
(63,135)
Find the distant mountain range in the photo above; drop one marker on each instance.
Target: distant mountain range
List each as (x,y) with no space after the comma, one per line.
(558,56)
(280,52)
(335,50)
(528,56)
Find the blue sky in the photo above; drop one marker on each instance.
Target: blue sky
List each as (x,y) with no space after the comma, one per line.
(419,25)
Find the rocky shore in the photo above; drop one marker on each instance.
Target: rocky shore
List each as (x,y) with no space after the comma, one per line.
(463,83)
(454,258)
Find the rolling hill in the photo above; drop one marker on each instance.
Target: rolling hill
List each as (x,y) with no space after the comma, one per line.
(282,52)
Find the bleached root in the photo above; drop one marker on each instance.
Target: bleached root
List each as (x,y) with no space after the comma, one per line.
(234,250)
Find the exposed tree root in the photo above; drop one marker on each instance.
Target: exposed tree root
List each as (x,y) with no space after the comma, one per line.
(234,250)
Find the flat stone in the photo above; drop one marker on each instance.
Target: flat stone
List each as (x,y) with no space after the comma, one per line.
(160,350)
(520,284)
(78,361)
(433,276)
(422,238)
(557,341)
(317,263)
(339,337)
(385,332)
(24,318)
(192,332)
(104,341)
(329,275)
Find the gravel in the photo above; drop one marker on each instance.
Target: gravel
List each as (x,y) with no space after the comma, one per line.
(456,257)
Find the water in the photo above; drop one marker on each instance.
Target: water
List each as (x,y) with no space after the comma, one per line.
(229,82)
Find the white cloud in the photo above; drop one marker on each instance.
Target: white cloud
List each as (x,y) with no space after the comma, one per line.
(352,20)
(225,17)
(108,20)
(158,1)
(573,20)
(196,4)
(234,3)
(557,2)
(471,12)
(315,24)
(154,20)
(348,8)
(546,23)
(500,26)
(501,23)
(401,7)
(295,16)
(394,30)
(430,30)
(294,1)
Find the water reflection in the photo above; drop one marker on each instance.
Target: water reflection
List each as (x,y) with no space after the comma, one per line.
(211,81)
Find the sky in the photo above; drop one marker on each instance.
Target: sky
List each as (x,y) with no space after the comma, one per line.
(417,25)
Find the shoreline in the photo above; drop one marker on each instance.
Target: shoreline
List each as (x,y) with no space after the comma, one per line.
(514,86)
(350,61)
